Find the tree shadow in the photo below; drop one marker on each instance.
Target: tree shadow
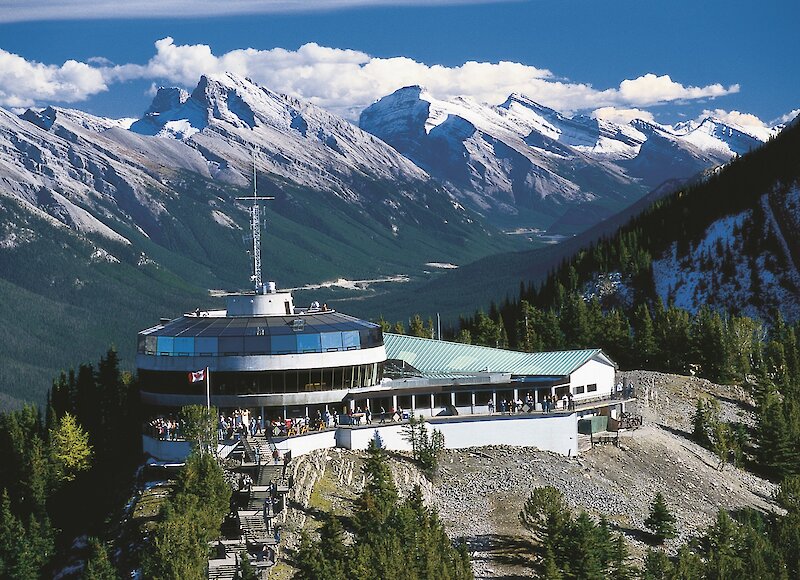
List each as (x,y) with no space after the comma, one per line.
(503,549)
(675,431)
(641,535)
(741,404)
(320,514)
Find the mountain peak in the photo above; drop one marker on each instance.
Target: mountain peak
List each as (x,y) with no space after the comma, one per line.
(525,101)
(166,99)
(43,119)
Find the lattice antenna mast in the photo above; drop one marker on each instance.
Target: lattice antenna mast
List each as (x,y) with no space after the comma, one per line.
(255,229)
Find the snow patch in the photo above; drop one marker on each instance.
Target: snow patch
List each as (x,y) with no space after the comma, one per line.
(101,255)
(354,284)
(224,220)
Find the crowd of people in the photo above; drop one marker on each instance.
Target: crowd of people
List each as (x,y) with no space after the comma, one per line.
(168,428)
(547,404)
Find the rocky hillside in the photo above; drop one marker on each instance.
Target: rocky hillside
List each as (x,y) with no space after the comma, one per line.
(479,492)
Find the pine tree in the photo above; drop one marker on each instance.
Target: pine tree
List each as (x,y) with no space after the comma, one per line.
(98,566)
(375,504)
(416,327)
(661,521)
(584,556)
(619,566)
(70,448)
(657,566)
(547,517)
(644,343)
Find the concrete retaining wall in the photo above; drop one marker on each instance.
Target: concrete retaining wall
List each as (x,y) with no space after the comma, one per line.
(557,433)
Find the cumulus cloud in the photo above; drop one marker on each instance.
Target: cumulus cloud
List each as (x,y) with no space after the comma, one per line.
(346,81)
(746,120)
(30,10)
(25,83)
(651,90)
(622,116)
(341,80)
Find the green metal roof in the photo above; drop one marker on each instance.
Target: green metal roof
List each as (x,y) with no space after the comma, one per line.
(439,356)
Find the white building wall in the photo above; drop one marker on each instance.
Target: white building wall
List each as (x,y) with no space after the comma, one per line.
(304,443)
(167,451)
(558,433)
(593,372)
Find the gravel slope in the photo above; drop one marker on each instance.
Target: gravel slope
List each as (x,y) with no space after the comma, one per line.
(479,492)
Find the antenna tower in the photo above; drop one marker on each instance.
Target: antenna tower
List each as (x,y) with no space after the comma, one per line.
(255,229)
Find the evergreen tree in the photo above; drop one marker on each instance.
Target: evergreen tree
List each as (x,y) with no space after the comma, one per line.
(661,521)
(70,448)
(416,327)
(528,339)
(98,565)
(246,569)
(547,517)
(584,555)
(619,566)
(788,494)
(657,566)
(644,343)
(688,565)
(375,504)
(200,426)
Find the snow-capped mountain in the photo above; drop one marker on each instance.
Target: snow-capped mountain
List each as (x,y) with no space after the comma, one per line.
(99,221)
(227,118)
(519,157)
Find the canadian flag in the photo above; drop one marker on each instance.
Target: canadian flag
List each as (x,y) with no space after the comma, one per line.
(197,376)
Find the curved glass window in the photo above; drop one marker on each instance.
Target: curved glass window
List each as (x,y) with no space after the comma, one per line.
(309,343)
(284,344)
(331,341)
(238,336)
(183,346)
(165,344)
(206,346)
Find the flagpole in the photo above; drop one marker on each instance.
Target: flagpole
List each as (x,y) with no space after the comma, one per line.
(208,388)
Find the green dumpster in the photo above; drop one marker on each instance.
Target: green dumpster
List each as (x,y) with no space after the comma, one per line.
(591,425)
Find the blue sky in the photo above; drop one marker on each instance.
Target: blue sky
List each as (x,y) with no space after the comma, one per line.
(669,60)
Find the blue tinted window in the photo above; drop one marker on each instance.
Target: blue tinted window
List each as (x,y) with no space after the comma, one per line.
(284,343)
(307,342)
(205,345)
(165,344)
(350,339)
(231,345)
(183,345)
(371,337)
(256,344)
(331,340)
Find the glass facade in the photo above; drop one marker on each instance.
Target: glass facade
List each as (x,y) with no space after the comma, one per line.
(265,382)
(240,336)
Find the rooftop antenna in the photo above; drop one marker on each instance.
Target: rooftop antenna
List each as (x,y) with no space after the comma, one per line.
(255,228)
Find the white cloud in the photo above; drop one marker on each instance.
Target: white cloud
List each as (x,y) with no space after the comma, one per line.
(622,116)
(345,81)
(24,83)
(32,10)
(651,90)
(735,118)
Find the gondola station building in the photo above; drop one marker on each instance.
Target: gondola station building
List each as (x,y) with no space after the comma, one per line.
(281,362)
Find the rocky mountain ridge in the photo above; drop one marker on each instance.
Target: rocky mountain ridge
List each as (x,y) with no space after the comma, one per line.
(521,163)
